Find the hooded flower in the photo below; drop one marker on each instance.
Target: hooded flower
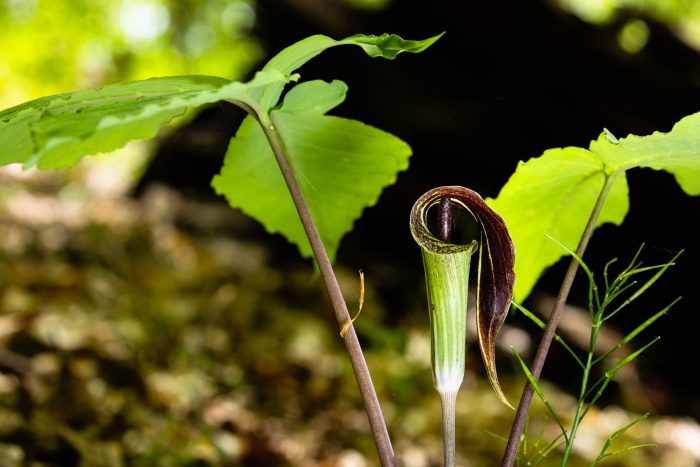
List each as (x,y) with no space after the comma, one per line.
(447,275)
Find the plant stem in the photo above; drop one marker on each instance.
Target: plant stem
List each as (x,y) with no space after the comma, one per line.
(595,328)
(538,363)
(448,400)
(352,344)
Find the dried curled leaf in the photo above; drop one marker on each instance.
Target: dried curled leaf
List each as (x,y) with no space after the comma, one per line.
(495,276)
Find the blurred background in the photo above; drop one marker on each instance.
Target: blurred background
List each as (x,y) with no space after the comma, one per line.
(143,322)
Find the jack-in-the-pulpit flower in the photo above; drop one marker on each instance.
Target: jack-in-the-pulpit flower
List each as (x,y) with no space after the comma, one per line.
(447,280)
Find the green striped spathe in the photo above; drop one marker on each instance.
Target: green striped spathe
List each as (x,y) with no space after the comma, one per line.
(447,284)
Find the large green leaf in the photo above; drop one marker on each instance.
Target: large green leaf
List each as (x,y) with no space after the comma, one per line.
(342,166)
(57,131)
(554,194)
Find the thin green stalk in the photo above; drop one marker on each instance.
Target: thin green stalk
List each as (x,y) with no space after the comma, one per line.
(610,374)
(528,391)
(595,329)
(352,344)
(646,286)
(604,452)
(541,395)
(557,337)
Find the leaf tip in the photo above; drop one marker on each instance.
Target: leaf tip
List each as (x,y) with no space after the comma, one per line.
(610,137)
(431,40)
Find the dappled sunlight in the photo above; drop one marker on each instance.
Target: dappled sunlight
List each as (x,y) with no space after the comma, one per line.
(633,36)
(682,17)
(63,45)
(142,22)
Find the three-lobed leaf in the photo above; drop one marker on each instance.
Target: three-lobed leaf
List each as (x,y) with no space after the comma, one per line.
(342,165)
(555,193)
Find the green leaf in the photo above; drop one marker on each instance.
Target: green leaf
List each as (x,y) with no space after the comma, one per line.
(57,131)
(293,57)
(553,195)
(622,342)
(314,97)
(389,45)
(342,166)
(677,152)
(615,436)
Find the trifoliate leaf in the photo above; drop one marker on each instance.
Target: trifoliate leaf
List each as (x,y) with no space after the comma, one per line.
(554,194)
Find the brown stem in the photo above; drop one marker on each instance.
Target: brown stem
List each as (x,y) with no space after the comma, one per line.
(541,355)
(357,359)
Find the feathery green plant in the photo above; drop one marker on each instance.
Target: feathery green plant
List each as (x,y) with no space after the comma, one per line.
(550,196)
(603,303)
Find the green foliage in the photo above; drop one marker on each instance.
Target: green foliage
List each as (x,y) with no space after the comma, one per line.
(342,164)
(677,152)
(605,301)
(293,57)
(605,451)
(552,194)
(57,131)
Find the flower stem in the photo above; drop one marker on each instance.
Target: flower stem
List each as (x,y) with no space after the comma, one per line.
(541,355)
(448,399)
(352,344)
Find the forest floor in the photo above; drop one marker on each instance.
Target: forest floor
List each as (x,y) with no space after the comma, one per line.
(158,331)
